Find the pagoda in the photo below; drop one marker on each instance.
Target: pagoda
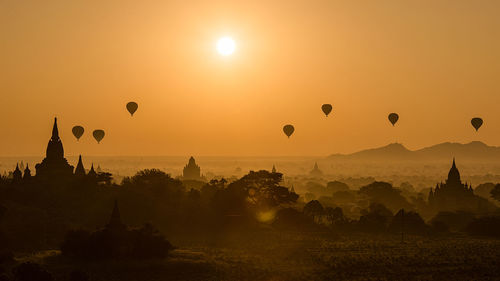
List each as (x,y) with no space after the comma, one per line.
(54,166)
(453,194)
(316,172)
(192,171)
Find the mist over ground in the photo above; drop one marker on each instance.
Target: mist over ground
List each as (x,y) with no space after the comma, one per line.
(394,163)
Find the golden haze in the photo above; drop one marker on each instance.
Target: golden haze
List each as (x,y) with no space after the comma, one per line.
(436,63)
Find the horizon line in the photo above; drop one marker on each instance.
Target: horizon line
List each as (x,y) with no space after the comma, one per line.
(262,156)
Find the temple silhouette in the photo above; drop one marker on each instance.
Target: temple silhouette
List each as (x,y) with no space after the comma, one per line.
(116,240)
(80,170)
(54,165)
(115,222)
(17,175)
(192,171)
(453,195)
(316,172)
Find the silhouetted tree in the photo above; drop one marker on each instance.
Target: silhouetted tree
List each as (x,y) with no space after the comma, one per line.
(484,190)
(335,186)
(209,190)
(156,181)
(344,196)
(104,177)
(495,192)
(384,193)
(230,202)
(335,216)
(408,222)
(154,196)
(316,188)
(454,221)
(149,243)
(263,189)
(313,209)
(375,219)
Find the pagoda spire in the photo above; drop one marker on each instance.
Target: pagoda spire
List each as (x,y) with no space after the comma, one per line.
(55,131)
(27,172)
(80,170)
(92,172)
(54,166)
(454,174)
(17,174)
(115,221)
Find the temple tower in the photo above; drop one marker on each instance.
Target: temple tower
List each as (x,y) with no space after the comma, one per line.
(316,172)
(92,173)
(454,175)
(80,170)
(192,171)
(54,166)
(27,172)
(115,222)
(17,175)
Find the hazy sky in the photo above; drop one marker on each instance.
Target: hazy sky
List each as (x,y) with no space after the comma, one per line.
(436,63)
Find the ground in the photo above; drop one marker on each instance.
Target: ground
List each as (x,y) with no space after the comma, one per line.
(304,257)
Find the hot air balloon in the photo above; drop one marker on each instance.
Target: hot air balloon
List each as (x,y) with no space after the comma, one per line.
(132,107)
(476,123)
(78,132)
(288,130)
(98,135)
(393,118)
(327,108)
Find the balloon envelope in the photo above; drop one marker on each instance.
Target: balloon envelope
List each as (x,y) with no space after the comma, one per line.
(132,107)
(393,118)
(98,135)
(288,130)
(327,108)
(78,132)
(476,123)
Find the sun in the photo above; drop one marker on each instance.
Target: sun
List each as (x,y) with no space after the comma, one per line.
(226,46)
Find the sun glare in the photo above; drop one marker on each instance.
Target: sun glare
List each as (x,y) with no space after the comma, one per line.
(226,46)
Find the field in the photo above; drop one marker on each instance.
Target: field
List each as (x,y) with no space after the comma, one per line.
(306,257)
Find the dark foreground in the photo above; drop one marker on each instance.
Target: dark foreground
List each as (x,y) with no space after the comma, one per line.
(302,257)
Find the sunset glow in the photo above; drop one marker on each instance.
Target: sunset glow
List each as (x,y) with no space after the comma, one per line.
(238,68)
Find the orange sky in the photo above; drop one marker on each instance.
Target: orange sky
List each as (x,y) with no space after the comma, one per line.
(436,63)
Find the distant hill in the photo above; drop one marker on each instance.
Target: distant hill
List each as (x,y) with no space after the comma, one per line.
(473,151)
